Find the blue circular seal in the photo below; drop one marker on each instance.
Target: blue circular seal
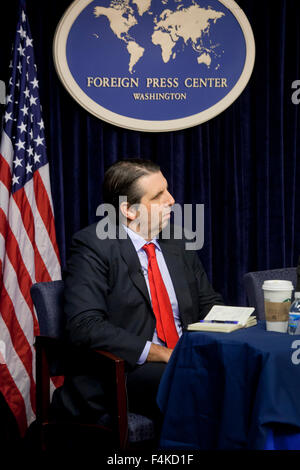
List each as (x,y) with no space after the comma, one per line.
(158,65)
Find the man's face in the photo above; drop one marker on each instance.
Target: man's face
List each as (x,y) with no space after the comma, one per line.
(155,205)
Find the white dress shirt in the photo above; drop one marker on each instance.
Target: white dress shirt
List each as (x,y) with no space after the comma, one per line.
(138,243)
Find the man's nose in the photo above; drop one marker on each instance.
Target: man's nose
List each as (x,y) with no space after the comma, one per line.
(170,199)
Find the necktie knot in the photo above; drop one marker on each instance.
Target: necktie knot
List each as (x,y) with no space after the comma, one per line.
(149,248)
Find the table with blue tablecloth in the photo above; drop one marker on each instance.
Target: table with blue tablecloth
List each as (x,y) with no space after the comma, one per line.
(238,390)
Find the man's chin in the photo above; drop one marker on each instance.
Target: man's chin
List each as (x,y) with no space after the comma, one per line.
(150,232)
(164,228)
(165,222)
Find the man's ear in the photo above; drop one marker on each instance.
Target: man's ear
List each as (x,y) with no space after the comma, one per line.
(129,212)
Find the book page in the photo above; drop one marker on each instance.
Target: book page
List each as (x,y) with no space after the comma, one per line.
(228,313)
(215,327)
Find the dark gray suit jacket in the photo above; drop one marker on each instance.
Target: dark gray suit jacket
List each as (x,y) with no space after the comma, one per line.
(107,305)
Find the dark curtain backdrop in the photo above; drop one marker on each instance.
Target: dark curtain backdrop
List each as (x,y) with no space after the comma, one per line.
(243,165)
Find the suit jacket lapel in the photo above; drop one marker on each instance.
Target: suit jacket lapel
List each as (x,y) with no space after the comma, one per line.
(131,258)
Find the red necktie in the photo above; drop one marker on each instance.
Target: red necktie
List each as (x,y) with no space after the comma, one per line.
(165,324)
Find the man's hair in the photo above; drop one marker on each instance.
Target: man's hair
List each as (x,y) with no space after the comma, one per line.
(121,179)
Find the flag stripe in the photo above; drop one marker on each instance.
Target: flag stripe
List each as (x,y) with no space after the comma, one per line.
(5,174)
(44,174)
(6,148)
(15,223)
(14,371)
(33,239)
(4,200)
(18,339)
(45,210)
(14,254)
(3,233)
(20,307)
(43,242)
(14,397)
(41,273)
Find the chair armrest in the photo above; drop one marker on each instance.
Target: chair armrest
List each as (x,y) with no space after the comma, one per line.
(111,366)
(110,356)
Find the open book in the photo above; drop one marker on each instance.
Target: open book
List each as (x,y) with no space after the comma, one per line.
(225,319)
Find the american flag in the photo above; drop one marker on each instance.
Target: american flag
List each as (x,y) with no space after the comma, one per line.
(28,248)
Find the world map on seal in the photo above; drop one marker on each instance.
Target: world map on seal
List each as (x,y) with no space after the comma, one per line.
(187,24)
(154,61)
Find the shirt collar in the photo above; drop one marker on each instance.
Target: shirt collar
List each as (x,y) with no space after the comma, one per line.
(139,241)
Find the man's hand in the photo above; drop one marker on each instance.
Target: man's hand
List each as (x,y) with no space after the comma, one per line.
(159,353)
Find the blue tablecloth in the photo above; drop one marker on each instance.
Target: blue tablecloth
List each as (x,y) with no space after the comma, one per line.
(238,390)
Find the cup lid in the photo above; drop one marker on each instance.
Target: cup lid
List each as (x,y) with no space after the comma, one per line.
(274,284)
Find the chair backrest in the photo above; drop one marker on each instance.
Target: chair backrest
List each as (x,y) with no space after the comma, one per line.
(253,282)
(48,301)
(55,356)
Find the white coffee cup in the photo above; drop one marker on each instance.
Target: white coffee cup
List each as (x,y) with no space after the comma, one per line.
(277,296)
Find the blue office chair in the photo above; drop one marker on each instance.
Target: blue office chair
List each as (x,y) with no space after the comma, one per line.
(128,429)
(253,282)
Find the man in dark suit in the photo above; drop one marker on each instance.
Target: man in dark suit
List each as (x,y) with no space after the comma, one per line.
(110,299)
